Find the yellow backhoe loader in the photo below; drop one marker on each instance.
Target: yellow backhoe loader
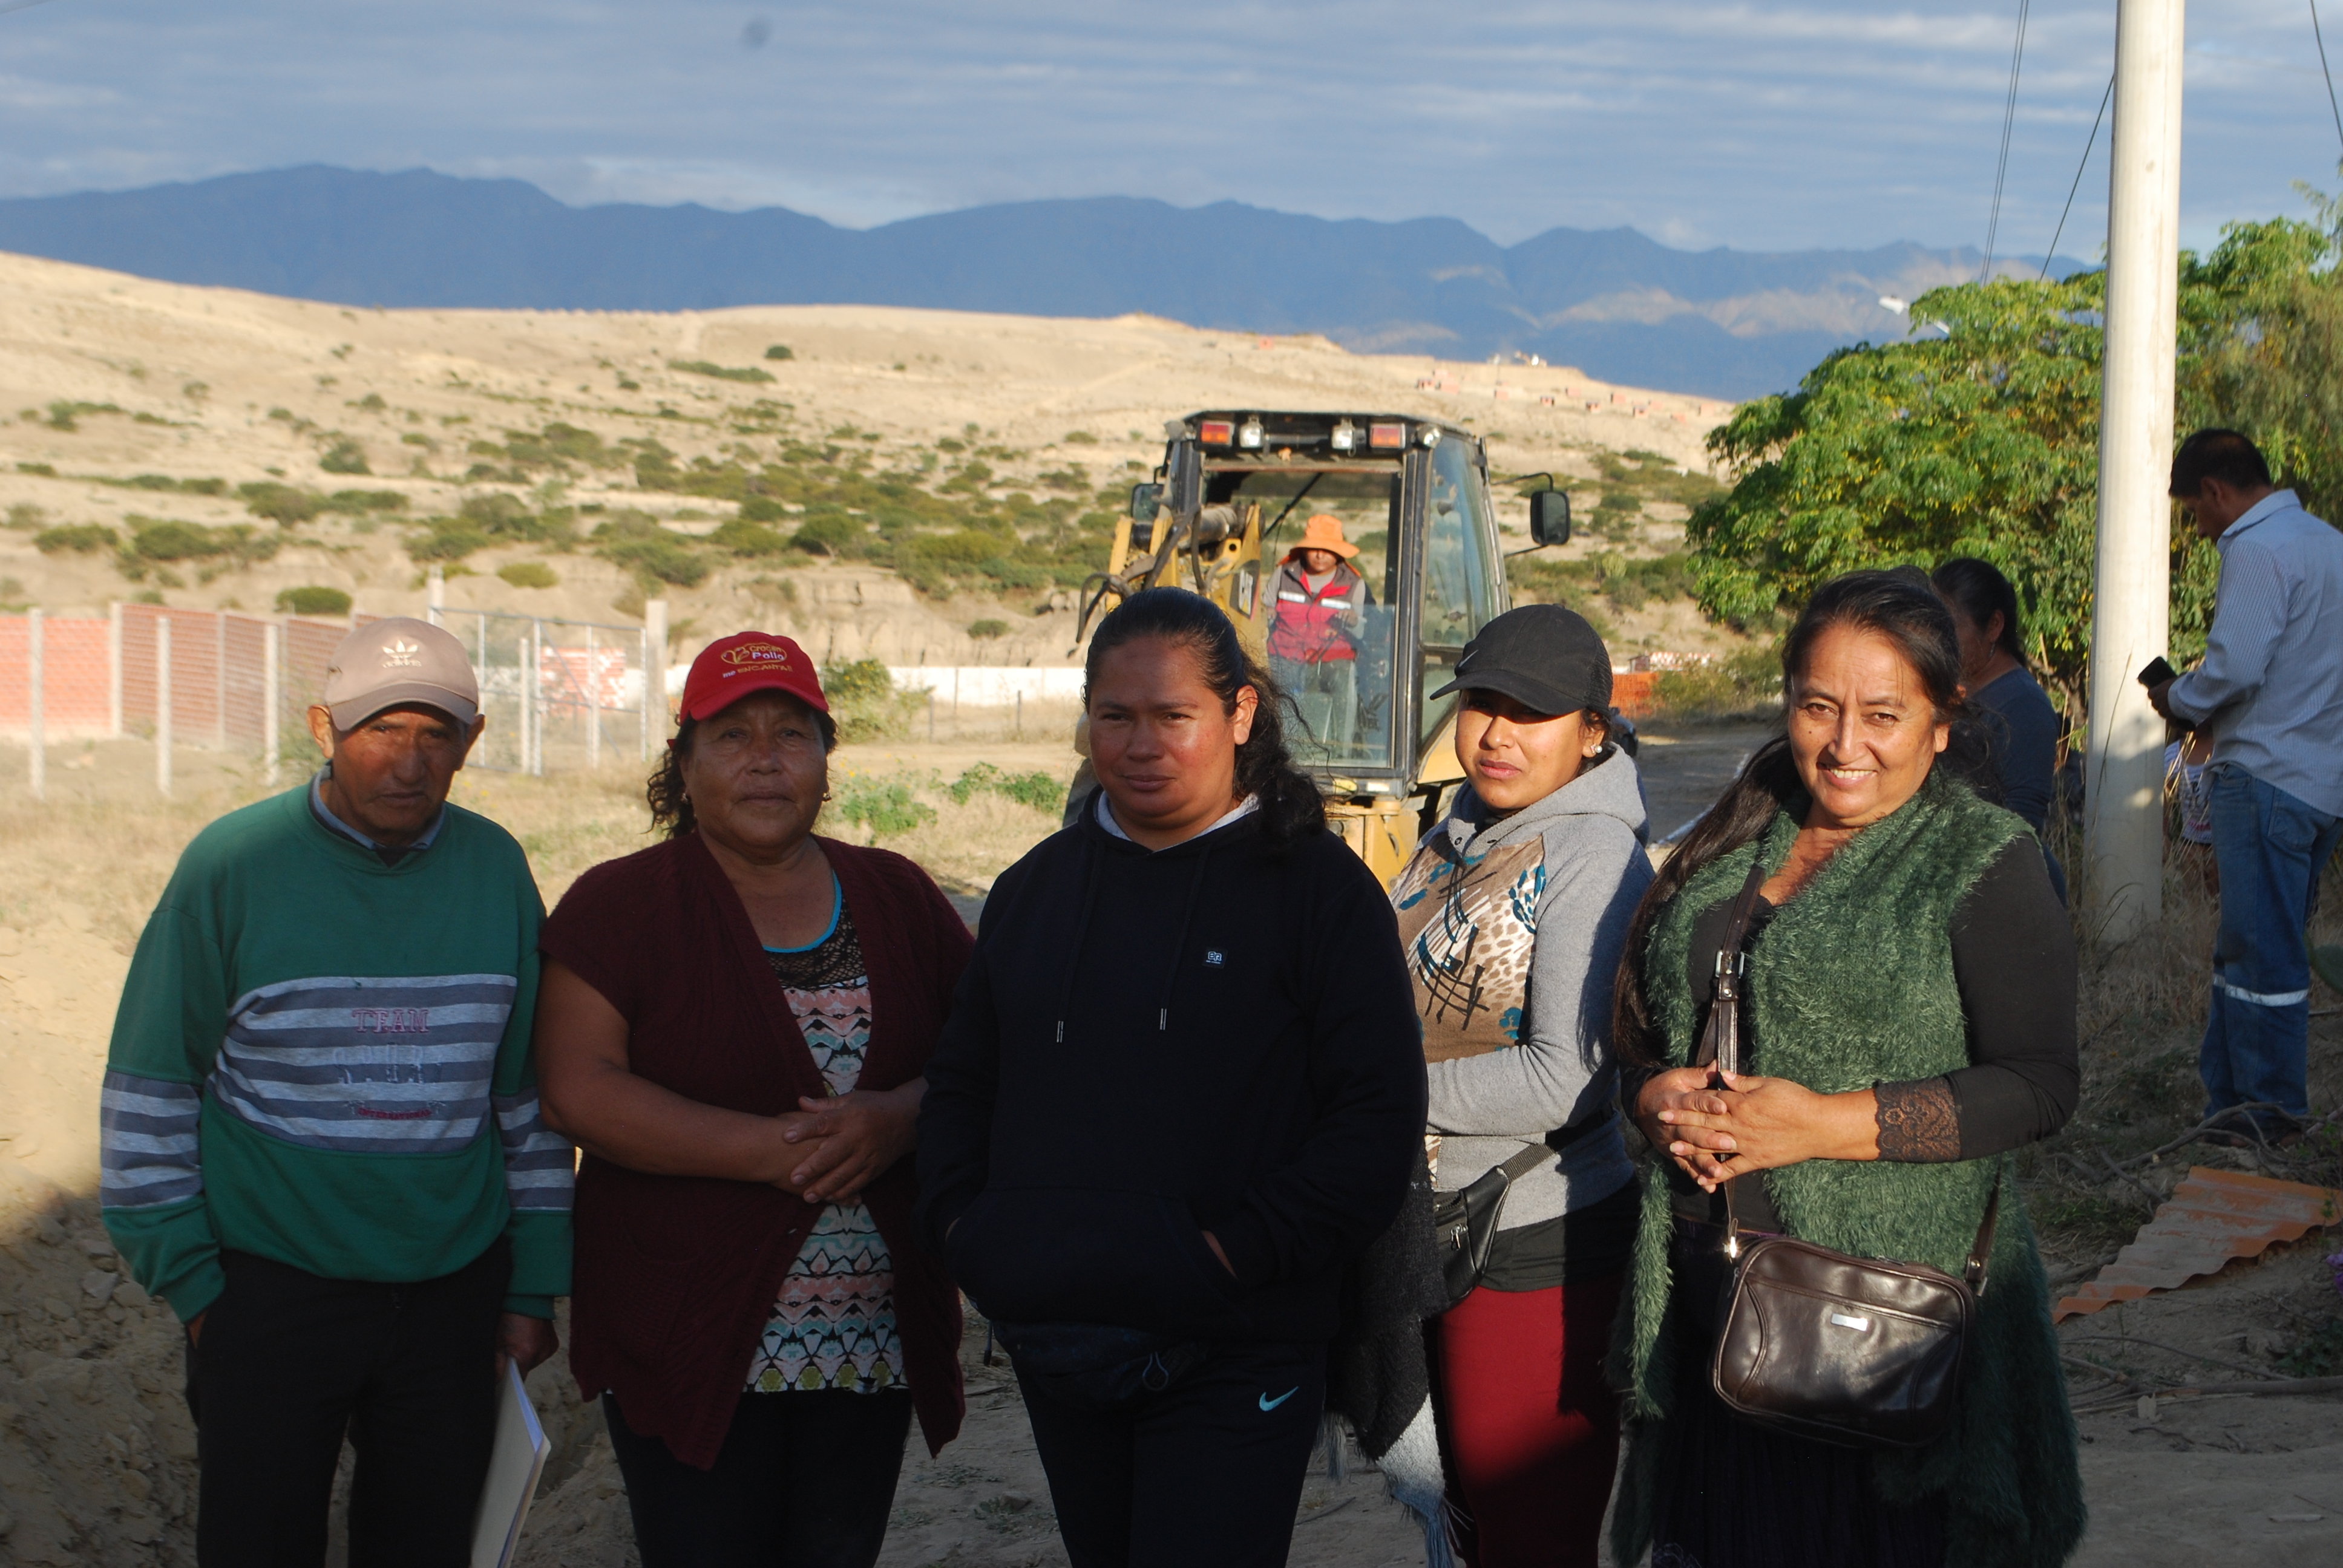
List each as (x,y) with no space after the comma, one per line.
(1231,504)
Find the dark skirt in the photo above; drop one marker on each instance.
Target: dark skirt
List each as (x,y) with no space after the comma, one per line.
(1732,1495)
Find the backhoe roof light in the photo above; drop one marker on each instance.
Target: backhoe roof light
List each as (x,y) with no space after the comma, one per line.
(1216,432)
(1386,438)
(1248,434)
(1345,437)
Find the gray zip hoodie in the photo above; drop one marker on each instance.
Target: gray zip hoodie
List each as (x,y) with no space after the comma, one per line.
(1524,964)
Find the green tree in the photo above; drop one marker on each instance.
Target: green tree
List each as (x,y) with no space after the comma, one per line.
(1979,435)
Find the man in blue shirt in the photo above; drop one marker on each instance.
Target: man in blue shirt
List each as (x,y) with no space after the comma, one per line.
(2269,691)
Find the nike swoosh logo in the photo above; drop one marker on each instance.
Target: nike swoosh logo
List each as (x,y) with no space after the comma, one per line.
(1268,1403)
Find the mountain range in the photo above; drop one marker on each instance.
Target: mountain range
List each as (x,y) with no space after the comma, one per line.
(1614,302)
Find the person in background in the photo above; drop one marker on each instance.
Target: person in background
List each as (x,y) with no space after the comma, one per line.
(1909,1021)
(1514,911)
(1180,1087)
(1313,631)
(2020,723)
(733,1026)
(2270,692)
(343,1185)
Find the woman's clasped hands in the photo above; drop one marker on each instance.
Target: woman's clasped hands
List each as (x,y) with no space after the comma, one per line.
(1716,1126)
(833,1147)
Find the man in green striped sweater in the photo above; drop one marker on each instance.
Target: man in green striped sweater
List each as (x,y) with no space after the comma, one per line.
(320,1129)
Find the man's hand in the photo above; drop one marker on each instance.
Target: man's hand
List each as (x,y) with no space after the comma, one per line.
(2159,699)
(528,1342)
(861,1134)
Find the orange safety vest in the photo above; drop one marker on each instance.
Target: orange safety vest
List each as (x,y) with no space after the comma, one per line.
(1307,627)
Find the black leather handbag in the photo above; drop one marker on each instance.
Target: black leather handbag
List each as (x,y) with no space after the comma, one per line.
(1465,1222)
(1849,1351)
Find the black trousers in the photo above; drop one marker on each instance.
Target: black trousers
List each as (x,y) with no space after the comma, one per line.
(1208,1471)
(805,1479)
(290,1362)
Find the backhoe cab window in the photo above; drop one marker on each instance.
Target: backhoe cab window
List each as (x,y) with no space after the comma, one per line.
(1329,633)
(1459,577)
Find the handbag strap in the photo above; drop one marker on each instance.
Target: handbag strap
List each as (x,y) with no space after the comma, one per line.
(1981,1251)
(1720,1038)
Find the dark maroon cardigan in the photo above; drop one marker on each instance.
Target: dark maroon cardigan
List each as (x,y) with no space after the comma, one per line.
(674,1275)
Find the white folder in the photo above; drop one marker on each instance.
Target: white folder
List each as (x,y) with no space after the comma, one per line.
(514,1464)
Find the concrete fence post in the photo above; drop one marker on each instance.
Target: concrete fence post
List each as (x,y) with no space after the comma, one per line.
(655,708)
(36,689)
(272,697)
(163,705)
(435,590)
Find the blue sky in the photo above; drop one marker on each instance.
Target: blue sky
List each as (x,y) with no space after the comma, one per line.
(1760,125)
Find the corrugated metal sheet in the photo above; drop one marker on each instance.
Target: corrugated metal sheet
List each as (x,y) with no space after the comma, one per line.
(2212,1217)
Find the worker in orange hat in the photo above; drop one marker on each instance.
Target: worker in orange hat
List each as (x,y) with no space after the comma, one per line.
(1314,630)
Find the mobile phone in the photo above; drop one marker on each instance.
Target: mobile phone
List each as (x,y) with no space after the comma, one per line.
(2158,671)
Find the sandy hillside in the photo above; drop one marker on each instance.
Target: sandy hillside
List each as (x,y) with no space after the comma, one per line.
(116,392)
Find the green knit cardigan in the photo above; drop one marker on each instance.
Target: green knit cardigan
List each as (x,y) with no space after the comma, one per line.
(1851,985)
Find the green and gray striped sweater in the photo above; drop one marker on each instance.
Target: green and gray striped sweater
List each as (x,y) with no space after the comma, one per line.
(324,1061)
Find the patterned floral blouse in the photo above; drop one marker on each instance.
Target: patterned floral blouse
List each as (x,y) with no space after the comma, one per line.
(834,1324)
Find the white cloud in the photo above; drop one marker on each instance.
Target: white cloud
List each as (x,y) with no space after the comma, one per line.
(1828,122)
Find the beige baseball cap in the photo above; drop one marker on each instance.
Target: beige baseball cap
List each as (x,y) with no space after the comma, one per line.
(392,662)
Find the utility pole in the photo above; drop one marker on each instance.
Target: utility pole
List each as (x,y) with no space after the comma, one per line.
(2131,611)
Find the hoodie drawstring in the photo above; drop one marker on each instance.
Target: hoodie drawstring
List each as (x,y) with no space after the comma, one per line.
(1187,913)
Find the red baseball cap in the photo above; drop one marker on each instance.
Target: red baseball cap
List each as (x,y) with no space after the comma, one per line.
(731,668)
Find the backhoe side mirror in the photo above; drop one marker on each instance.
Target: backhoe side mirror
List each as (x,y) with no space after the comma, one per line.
(1549,516)
(1145,499)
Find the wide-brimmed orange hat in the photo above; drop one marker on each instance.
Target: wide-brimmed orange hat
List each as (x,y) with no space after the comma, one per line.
(1323,532)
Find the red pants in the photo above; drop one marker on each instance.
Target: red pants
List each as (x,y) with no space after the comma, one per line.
(1528,1428)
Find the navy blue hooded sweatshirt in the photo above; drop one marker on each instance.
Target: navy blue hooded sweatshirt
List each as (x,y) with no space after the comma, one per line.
(1220,1036)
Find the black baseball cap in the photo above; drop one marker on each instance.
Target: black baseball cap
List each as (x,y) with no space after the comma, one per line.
(1543,655)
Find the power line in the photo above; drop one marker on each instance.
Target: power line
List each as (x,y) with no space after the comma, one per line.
(8,5)
(2009,120)
(2331,106)
(2052,254)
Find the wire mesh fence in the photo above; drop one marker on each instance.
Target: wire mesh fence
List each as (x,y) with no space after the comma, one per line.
(558,695)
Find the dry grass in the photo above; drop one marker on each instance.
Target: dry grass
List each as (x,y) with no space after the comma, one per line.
(2139,1017)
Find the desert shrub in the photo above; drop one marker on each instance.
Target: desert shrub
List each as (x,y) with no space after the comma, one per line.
(762,510)
(744,537)
(1749,681)
(372,402)
(864,701)
(281,504)
(528,575)
(164,539)
(345,457)
(830,535)
(26,517)
(886,806)
(445,539)
(987,629)
(635,540)
(721,372)
(500,516)
(65,415)
(1038,790)
(1080,439)
(46,470)
(779,351)
(313,600)
(356,502)
(81,538)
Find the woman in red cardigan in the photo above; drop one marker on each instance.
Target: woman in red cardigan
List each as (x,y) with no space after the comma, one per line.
(734,1026)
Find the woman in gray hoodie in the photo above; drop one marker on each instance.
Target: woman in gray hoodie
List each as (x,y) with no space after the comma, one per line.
(1513,910)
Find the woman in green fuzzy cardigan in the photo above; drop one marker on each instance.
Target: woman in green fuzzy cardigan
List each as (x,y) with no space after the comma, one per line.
(1910,1017)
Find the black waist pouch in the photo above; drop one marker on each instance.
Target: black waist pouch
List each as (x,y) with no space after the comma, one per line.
(1096,1366)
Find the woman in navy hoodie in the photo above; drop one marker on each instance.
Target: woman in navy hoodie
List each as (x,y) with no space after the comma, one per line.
(1180,1088)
